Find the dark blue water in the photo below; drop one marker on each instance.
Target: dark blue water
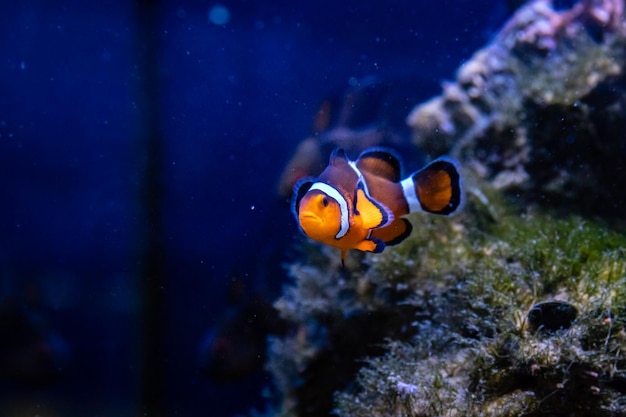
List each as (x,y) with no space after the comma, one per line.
(232,94)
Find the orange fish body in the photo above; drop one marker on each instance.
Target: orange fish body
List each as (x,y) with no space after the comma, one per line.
(360,204)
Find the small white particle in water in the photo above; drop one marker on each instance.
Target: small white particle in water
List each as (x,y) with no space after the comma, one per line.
(252,207)
(22,65)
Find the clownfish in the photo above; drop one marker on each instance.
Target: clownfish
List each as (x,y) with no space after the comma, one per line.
(359,204)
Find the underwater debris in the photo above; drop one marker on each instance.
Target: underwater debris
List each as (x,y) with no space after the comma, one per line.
(551,316)
(542,109)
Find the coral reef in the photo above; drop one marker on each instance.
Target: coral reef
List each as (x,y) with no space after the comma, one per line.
(516,307)
(542,109)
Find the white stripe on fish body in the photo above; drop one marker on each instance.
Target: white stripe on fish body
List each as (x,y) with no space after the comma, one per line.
(356,170)
(408,189)
(343,205)
(360,178)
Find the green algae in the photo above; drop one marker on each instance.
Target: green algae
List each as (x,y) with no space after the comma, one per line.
(437,326)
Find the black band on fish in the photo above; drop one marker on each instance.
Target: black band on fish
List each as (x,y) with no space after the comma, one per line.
(299,190)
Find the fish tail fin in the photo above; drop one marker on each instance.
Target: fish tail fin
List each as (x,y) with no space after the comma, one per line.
(435,188)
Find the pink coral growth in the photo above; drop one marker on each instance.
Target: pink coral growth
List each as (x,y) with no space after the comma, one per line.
(539,25)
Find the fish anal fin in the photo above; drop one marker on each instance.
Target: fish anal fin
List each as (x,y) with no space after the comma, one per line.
(372,214)
(438,187)
(395,233)
(381,162)
(371,245)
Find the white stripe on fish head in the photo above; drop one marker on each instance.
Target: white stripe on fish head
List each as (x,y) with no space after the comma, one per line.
(332,192)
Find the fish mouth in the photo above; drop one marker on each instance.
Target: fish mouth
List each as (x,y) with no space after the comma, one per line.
(309,217)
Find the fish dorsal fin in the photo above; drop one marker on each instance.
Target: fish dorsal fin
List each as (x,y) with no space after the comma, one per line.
(340,174)
(338,157)
(372,213)
(438,187)
(381,162)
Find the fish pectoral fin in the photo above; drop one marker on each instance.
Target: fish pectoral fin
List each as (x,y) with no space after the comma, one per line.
(372,213)
(371,245)
(395,233)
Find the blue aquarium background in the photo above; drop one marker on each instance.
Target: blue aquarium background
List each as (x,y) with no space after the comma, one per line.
(140,148)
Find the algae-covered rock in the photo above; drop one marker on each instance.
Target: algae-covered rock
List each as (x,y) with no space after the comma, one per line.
(516,307)
(439,324)
(541,110)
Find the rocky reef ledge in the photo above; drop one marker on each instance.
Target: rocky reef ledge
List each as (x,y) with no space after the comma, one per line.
(541,110)
(521,315)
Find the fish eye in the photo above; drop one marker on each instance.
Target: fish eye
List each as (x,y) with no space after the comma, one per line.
(325,202)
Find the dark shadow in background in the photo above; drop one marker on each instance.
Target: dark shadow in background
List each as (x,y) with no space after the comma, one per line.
(151,262)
